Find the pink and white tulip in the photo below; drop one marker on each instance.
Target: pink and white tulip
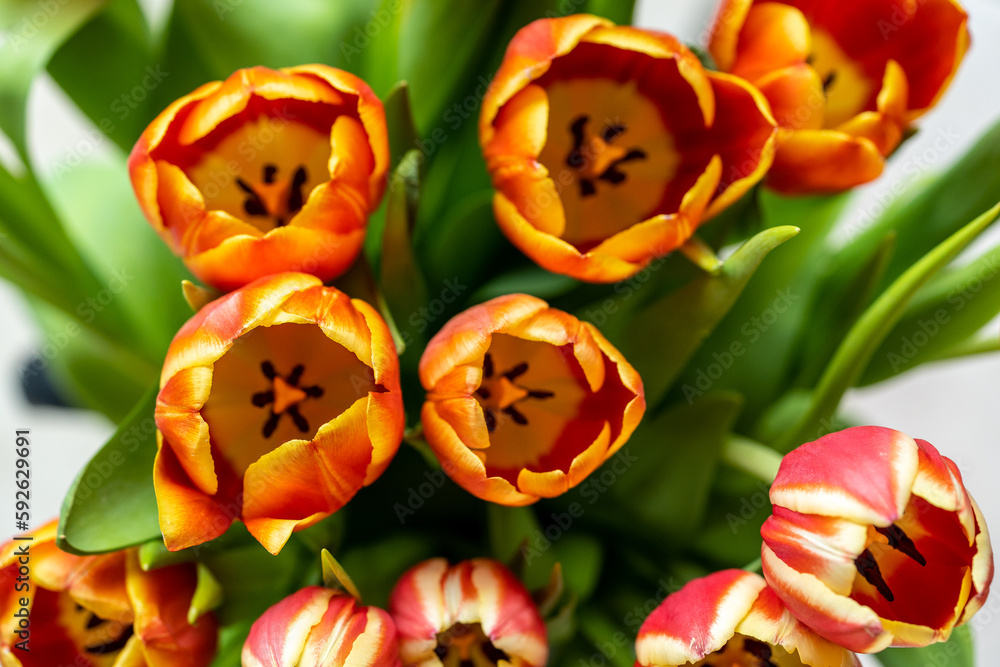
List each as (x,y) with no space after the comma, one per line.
(476,612)
(874,540)
(731,618)
(321,627)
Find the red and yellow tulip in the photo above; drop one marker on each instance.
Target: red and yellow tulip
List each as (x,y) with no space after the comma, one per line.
(731,618)
(608,145)
(875,541)
(474,613)
(267,171)
(277,403)
(319,627)
(845,78)
(97,611)
(524,401)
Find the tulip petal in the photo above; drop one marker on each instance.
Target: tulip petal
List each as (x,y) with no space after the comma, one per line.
(278,637)
(187,516)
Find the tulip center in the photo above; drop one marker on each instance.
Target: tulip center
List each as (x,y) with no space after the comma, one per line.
(263,171)
(916,570)
(847,89)
(499,394)
(280,383)
(743,651)
(610,155)
(466,645)
(70,631)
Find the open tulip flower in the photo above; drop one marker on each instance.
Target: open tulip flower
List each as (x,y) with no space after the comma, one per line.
(608,145)
(524,401)
(474,613)
(319,627)
(845,78)
(875,541)
(267,171)
(731,619)
(277,403)
(97,611)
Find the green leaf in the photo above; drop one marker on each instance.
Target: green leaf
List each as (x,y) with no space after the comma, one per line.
(958,651)
(403,136)
(252,579)
(682,320)
(509,529)
(231,640)
(677,452)
(947,312)
(111,504)
(107,68)
(931,209)
(438,75)
(871,330)
(402,282)
(608,636)
(34,31)
(619,11)
(335,576)
(207,595)
(532,280)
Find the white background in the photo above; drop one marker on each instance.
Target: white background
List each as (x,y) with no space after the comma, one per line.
(954,406)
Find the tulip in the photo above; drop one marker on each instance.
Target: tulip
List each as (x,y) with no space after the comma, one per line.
(97,611)
(473,613)
(845,78)
(608,145)
(277,403)
(319,627)
(267,171)
(875,541)
(524,401)
(731,618)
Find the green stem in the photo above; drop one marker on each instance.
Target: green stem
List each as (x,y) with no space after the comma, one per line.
(970,348)
(753,566)
(751,457)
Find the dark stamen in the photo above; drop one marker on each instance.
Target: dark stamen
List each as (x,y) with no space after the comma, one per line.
(494,654)
(271,424)
(514,414)
(577,128)
(441,651)
(487,365)
(262,398)
(900,541)
(538,393)
(517,371)
(269,171)
(612,131)
(95,621)
(587,188)
(613,175)
(295,197)
(759,650)
(268,369)
(491,419)
(253,204)
(295,375)
(378,389)
(483,393)
(300,422)
(111,646)
(828,81)
(868,568)
(316,391)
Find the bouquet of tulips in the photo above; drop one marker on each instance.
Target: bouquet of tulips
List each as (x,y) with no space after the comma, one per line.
(493,333)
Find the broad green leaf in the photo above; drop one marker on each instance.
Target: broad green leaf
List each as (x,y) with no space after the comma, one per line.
(107,68)
(676,453)
(403,136)
(932,208)
(111,504)
(402,281)
(958,651)
(682,320)
(947,312)
(509,529)
(34,30)
(753,350)
(438,75)
(871,329)
(532,280)
(252,579)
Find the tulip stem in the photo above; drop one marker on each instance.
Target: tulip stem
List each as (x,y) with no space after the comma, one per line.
(754,566)
(751,457)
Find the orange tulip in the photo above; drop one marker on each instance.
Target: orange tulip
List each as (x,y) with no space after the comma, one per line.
(267,171)
(845,78)
(524,401)
(277,403)
(97,611)
(473,613)
(608,145)
(318,627)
